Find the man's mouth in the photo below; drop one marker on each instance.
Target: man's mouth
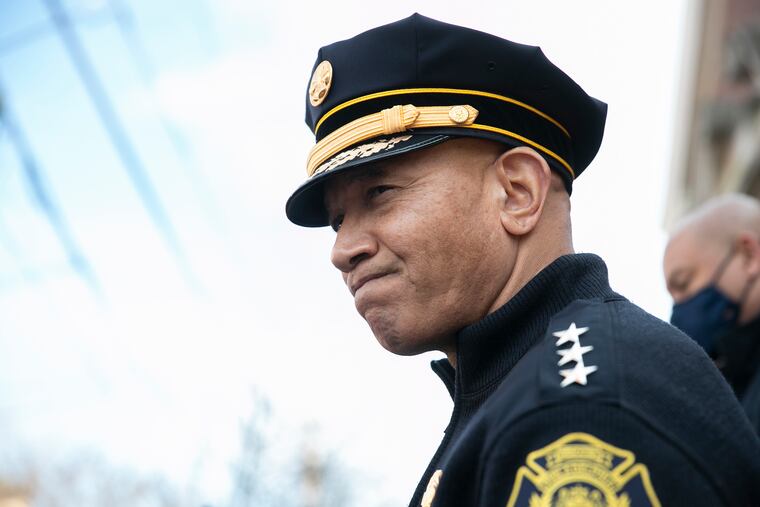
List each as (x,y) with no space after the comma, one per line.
(355,286)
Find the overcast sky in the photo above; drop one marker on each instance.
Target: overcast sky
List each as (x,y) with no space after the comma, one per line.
(156,369)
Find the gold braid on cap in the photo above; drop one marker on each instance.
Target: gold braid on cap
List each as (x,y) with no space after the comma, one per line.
(388,121)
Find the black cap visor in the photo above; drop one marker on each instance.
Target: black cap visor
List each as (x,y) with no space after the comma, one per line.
(306,206)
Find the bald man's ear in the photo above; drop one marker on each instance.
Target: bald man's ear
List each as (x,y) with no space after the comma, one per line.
(525,178)
(748,247)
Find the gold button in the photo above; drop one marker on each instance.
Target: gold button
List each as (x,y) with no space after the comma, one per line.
(321,81)
(458,114)
(432,487)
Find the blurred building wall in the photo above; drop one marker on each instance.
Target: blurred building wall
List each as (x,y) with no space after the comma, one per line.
(14,501)
(717,140)
(13,496)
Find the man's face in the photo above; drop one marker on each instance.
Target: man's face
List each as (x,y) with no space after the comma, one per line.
(691,262)
(420,242)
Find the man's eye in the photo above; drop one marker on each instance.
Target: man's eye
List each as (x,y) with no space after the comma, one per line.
(679,286)
(336,222)
(380,189)
(681,283)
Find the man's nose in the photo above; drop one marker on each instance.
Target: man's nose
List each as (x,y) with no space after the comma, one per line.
(352,245)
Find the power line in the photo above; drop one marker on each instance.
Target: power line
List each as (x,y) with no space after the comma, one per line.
(23,37)
(40,195)
(117,134)
(125,21)
(9,243)
(38,30)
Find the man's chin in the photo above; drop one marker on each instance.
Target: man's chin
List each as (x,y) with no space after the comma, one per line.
(397,340)
(400,347)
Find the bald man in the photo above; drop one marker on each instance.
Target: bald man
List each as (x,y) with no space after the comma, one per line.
(711,265)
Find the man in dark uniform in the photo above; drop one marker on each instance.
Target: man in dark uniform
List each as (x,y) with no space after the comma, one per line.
(444,161)
(712,263)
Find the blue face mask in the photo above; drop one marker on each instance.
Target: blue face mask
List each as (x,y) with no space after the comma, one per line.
(709,313)
(706,315)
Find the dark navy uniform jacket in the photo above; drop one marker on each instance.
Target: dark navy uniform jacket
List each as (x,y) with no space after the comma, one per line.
(570,395)
(738,357)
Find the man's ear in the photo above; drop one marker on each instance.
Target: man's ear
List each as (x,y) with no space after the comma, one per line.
(748,247)
(525,178)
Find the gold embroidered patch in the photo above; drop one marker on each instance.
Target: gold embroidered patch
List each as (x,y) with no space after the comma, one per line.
(432,487)
(579,470)
(365,150)
(320,84)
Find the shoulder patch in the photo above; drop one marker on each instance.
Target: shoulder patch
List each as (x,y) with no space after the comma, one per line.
(582,470)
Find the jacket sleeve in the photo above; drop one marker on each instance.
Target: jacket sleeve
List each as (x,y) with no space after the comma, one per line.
(590,454)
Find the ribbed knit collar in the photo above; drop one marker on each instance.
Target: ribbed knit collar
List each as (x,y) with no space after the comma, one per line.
(488,349)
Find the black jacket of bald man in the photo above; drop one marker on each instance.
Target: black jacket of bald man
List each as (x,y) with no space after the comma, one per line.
(738,358)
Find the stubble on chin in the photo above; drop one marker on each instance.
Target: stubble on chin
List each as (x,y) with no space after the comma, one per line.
(384,325)
(379,323)
(400,338)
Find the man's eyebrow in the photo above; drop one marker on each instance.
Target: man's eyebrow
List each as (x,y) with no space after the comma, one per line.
(375,171)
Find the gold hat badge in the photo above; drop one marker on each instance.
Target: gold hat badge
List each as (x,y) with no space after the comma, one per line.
(321,81)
